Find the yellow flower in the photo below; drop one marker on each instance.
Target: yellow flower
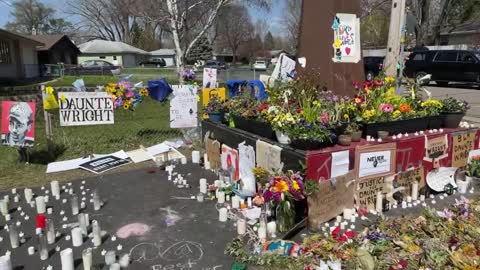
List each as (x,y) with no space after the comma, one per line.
(281,186)
(368,114)
(469,251)
(295,185)
(126,105)
(396,114)
(49,90)
(413,248)
(389,79)
(345,116)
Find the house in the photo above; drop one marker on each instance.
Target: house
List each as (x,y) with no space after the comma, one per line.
(166,54)
(18,56)
(468,34)
(115,52)
(56,49)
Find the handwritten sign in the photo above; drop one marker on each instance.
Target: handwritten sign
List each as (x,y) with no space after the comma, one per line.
(209,78)
(183,107)
(462,144)
(269,156)
(346,29)
(407,178)
(212,148)
(208,93)
(366,193)
(436,148)
(331,198)
(85,108)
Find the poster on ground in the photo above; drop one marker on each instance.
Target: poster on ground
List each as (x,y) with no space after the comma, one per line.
(18,123)
(103,164)
(85,108)
(346,31)
(183,107)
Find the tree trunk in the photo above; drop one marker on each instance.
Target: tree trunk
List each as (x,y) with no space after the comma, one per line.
(234,60)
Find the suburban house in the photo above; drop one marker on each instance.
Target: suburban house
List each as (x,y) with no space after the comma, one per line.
(166,54)
(114,52)
(18,56)
(466,34)
(56,49)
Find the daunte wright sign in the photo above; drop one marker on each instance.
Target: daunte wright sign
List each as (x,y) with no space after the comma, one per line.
(85,108)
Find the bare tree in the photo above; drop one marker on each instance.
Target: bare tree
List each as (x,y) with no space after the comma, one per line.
(292,14)
(234,28)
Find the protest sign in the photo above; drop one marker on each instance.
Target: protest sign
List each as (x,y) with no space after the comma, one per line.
(209,78)
(183,107)
(366,193)
(103,164)
(85,108)
(208,93)
(230,161)
(346,29)
(18,123)
(462,144)
(377,160)
(269,156)
(212,148)
(436,148)
(407,178)
(247,164)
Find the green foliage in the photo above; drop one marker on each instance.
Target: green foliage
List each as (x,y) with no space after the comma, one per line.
(311,186)
(452,105)
(202,50)
(473,167)
(269,41)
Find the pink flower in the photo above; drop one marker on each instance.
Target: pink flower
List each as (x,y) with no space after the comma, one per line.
(324,117)
(386,107)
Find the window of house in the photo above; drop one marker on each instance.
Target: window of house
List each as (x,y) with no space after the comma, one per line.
(5,54)
(102,57)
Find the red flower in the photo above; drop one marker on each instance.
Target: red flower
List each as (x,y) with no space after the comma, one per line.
(377,83)
(356,84)
(336,232)
(342,239)
(367,84)
(350,234)
(403,263)
(358,100)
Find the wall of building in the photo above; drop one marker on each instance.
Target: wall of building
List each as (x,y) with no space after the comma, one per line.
(30,60)
(9,70)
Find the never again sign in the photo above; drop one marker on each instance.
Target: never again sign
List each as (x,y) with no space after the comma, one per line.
(85,108)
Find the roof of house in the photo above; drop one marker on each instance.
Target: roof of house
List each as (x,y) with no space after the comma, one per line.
(108,47)
(466,28)
(49,41)
(166,52)
(19,36)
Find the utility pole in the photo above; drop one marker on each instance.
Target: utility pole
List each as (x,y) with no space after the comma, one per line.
(394,61)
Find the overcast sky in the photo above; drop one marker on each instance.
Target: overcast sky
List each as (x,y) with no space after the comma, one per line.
(274,16)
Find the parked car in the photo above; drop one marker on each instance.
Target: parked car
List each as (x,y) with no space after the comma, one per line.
(155,62)
(260,65)
(372,66)
(93,67)
(444,66)
(216,64)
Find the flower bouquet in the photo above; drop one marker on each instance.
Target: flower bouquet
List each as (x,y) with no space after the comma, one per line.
(473,169)
(125,95)
(453,111)
(282,190)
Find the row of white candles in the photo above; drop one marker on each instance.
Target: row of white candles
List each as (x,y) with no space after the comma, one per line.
(406,135)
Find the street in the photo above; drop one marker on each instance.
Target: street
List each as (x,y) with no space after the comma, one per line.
(471,94)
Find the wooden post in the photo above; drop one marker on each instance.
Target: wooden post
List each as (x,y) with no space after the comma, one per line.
(48,127)
(395,36)
(315,44)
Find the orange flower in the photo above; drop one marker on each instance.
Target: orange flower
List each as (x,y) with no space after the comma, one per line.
(280,186)
(404,108)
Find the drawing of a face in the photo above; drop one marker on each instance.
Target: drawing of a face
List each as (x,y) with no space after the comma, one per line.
(20,122)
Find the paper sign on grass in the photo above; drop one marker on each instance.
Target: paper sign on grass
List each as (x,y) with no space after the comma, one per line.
(85,108)
(183,107)
(366,192)
(209,78)
(230,161)
(330,199)
(376,160)
(407,178)
(462,144)
(247,164)
(208,93)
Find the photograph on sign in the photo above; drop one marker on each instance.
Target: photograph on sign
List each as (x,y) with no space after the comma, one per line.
(85,108)
(18,123)
(208,93)
(183,107)
(209,78)
(377,160)
(346,47)
(103,164)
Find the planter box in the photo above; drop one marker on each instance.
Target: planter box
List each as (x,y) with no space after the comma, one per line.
(396,127)
(435,122)
(256,127)
(452,120)
(310,144)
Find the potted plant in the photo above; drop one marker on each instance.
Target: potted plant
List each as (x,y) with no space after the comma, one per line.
(473,169)
(453,111)
(310,137)
(353,129)
(280,120)
(215,110)
(345,139)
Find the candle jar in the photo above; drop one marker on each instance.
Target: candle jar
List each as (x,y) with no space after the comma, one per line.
(241,226)
(50,231)
(12,231)
(42,246)
(96,201)
(97,233)
(4,207)
(82,223)
(110,257)
(74,204)
(200,197)
(87,258)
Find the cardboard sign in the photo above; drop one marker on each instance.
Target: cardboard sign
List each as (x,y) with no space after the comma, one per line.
(346,31)
(462,144)
(331,198)
(366,192)
(247,164)
(183,107)
(212,148)
(269,156)
(377,160)
(18,123)
(436,148)
(230,161)
(407,178)
(209,78)
(85,108)
(101,165)
(208,93)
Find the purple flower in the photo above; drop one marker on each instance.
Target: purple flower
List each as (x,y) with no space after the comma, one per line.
(445,214)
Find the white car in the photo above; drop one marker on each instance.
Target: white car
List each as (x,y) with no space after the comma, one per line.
(259,65)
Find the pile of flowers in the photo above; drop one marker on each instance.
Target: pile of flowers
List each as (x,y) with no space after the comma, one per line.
(188,75)
(125,95)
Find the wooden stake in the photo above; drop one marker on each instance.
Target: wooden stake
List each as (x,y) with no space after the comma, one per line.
(48,126)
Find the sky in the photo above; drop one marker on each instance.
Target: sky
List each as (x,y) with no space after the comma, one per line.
(274,16)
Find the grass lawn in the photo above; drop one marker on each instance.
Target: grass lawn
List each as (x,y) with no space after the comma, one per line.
(92,80)
(147,126)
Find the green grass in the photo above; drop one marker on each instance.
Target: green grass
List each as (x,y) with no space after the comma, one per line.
(92,80)
(146,126)
(160,71)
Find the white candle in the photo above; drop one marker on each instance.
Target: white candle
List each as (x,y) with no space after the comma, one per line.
(66,258)
(249,202)
(125,260)
(235,202)
(40,202)
(347,213)
(114,266)
(404,205)
(183,160)
(422,198)
(8,217)
(207,165)
(353,219)
(196,157)
(379,204)
(5,263)
(462,186)
(55,187)
(28,195)
(409,199)
(87,259)
(14,191)
(49,210)
(82,223)
(221,197)
(31,251)
(223,214)
(4,207)
(339,219)
(97,233)
(77,238)
(342,225)
(262,233)
(16,198)
(241,226)
(203,185)
(272,228)
(415,191)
